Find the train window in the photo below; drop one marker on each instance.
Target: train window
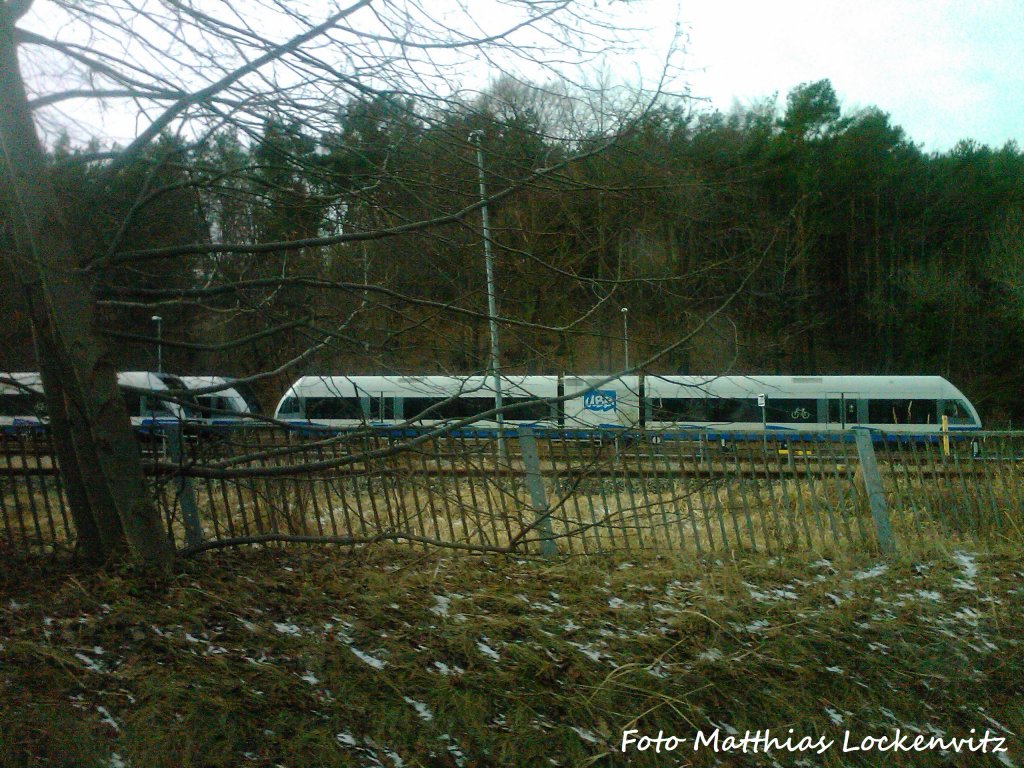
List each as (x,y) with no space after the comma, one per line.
(522,410)
(333,408)
(791,410)
(901,411)
(290,407)
(19,405)
(133,402)
(414,406)
(957,412)
(730,409)
(442,408)
(154,406)
(465,407)
(210,405)
(678,409)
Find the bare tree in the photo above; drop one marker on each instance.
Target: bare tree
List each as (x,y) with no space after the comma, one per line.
(199,72)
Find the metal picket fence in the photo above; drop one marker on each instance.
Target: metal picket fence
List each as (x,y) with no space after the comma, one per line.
(702,494)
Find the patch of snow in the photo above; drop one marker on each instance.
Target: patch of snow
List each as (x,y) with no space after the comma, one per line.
(445,670)
(367,658)
(91,664)
(835,670)
(968,615)
(871,573)
(310,678)
(929,594)
(486,650)
(968,565)
(346,739)
(421,709)
(287,628)
(107,718)
(457,754)
(835,717)
(587,736)
(588,651)
(711,654)
(658,670)
(116,761)
(441,605)
(772,595)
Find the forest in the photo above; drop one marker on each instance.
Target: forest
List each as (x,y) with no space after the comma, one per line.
(787,236)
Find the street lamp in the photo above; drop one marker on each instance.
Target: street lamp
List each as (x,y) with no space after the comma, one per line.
(159,346)
(476,139)
(625,337)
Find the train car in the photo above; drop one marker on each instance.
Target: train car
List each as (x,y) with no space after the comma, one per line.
(23,404)
(142,392)
(664,405)
(229,404)
(912,404)
(347,402)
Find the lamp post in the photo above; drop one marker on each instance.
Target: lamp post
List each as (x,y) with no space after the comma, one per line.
(159,346)
(625,337)
(476,139)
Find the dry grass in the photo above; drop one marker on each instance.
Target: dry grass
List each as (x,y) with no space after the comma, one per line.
(678,497)
(393,658)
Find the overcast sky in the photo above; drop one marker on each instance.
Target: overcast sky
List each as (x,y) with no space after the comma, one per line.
(943,69)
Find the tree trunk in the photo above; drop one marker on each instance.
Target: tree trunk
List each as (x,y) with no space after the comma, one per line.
(62,315)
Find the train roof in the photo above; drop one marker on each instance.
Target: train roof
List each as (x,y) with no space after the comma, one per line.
(137,379)
(805,386)
(225,390)
(141,380)
(18,382)
(422,386)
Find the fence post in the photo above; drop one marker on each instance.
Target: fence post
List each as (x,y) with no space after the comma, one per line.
(187,499)
(876,493)
(538,497)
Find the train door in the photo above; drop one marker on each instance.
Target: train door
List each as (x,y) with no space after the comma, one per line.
(382,407)
(842,410)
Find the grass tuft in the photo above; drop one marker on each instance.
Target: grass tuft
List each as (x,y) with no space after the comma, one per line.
(396,658)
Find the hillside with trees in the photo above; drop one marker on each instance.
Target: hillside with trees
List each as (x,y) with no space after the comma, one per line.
(849,249)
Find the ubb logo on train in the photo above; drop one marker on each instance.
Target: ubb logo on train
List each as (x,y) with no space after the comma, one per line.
(599,400)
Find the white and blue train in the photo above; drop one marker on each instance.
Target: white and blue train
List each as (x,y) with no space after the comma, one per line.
(582,405)
(219,400)
(147,395)
(22,403)
(652,403)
